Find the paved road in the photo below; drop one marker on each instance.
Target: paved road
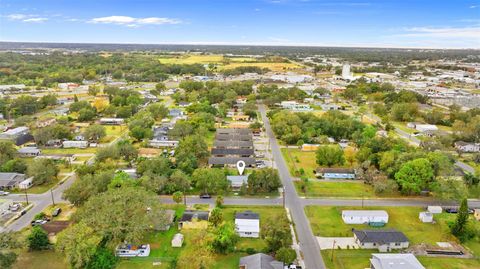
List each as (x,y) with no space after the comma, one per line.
(308,244)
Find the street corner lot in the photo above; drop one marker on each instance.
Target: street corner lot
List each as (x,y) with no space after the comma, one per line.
(162,254)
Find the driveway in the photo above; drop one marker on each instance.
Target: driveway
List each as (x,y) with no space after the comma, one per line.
(342,242)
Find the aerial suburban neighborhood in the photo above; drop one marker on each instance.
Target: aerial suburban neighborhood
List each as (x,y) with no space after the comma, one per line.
(235,156)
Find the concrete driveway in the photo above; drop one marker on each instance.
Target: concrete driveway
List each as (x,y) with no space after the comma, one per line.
(342,242)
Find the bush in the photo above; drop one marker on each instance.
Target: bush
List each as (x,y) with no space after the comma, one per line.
(250,251)
(38,239)
(40,216)
(102,259)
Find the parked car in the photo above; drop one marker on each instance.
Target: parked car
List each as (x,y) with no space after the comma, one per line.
(14,207)
(38,222)
(259,156)
(451,210)
(4,193)
(205,196)
(56,212)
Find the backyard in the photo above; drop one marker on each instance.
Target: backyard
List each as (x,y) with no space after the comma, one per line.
(321,188)
(297,159)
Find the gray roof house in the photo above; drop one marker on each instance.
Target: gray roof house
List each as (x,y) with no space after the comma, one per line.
(259,261)
(10,181)
(383,240)
(395,261)
(28,152)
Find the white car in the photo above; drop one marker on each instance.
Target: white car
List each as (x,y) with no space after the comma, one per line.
(4,193)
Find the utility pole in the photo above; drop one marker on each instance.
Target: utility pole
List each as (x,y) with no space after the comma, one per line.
(51,192)
(26,195)
(333,249)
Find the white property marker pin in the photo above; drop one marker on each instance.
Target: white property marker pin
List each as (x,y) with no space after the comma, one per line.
(240,167)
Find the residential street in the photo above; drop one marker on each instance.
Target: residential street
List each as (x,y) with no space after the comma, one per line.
(308,243)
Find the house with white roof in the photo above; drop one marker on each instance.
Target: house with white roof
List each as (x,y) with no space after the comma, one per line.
(364,216)
(247,224)
(395,261)
(127,250)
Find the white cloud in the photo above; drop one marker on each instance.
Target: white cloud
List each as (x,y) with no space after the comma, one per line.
(134,22)
(446,32)
(36,20)
(26,18)
(474,6)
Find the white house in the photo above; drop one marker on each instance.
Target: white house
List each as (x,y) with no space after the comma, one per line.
(434,209)
(247,224)
(75,144)
(426,216)
(422,127)
(293,105)
(111,121)
(364,216)
(177,240)
(28,152)
(467,147)
(394,261)
(27,183)
(128,250)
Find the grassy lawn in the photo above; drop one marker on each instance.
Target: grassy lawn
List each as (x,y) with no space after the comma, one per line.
(68,151)
(48,259)
(318,188)
(359,259)
(403,127)
(327,221)
(67,211)
(297,159)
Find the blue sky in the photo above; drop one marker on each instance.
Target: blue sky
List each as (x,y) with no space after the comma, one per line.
(388,23)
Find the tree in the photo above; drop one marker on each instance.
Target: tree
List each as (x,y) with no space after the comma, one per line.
(286,255)
(330,155)
(38,239)
(88,185)
(471,179)
(210,181)
(225,238)
(102,259)
(177,197)
(458,229)
(119,220)
(219,201)
(79,244)
(86,114)
(48,100)
(414,176)
(7,259)
(43,171)
(127,151)
(95,132)
(448,189)
(191,152)
(160,86)
(93,90)
(159,111)
(109,152)
(15,165)
(200,255)
(276,232)
(263,180)
(216,216)
(7,151)
(350,155)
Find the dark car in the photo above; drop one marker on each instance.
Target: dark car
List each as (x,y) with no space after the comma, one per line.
(56,212)
(452,210)
(205,196)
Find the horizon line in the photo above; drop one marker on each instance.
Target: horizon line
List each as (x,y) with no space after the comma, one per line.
(306,45)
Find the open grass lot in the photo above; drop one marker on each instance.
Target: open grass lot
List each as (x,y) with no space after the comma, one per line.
(67,211)
(227,63)
(320,188)
(327,221)
(68,151)
(359,259)
(47,259)
(297,159)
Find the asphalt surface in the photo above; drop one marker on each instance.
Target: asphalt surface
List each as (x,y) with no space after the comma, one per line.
(308,244)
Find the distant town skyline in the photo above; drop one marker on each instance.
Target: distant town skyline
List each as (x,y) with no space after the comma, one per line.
(362,23)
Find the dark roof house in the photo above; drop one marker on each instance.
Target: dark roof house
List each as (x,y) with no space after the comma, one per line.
(259,261)
(380,236)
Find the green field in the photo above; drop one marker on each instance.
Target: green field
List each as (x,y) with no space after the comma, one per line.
(297,159)
(318,188)
(68,151)
(47,259)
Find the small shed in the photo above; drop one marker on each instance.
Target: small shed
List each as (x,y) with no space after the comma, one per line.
(177,240)
(434,209)
(426,216)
